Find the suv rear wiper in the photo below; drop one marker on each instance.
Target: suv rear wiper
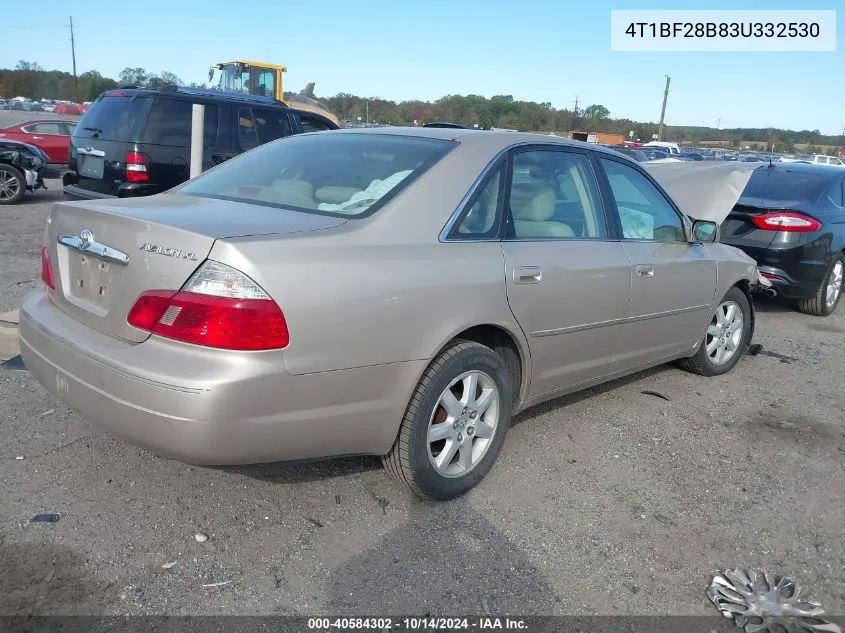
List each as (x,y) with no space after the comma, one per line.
(93,129)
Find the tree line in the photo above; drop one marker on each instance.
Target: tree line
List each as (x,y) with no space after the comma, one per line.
(503,111)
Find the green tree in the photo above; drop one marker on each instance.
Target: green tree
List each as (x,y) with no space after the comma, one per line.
(32,66)
(133,77)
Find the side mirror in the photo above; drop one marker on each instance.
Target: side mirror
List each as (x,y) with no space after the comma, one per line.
(704,231)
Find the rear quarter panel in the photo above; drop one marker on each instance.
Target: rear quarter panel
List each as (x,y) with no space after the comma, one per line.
(350,303)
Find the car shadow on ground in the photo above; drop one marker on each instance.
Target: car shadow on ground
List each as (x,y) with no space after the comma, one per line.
(773,305)
(306,471)
(457,562)
(43,578)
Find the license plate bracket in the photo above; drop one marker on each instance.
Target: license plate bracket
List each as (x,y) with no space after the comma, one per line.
(91,166)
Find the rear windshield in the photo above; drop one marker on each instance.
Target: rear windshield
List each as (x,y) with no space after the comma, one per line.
(770,184)
(326,172)
(112,118)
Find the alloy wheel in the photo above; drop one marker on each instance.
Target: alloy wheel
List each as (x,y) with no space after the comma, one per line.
(463,423)
(724,333)
(10,185)
(834,285)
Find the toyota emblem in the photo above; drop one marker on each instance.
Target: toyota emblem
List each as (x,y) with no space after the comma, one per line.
(86,238)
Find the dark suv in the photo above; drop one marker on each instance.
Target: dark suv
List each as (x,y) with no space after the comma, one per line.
(137,142)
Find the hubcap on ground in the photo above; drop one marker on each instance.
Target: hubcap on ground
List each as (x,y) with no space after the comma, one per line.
(834,286)
(9,185)
(463,423)
(724,333)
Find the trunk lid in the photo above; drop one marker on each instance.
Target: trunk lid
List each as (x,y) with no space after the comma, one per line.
(140,244)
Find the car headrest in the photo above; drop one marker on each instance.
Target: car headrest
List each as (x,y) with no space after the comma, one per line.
(539,208)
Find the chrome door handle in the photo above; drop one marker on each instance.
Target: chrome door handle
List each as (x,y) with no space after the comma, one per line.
(527,275)
(645,271)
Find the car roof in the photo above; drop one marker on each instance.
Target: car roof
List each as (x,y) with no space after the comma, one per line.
(32,121)
(814,168)
(487,139)
(192,94)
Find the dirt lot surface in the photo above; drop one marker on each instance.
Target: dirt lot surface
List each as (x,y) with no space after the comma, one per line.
(612,501)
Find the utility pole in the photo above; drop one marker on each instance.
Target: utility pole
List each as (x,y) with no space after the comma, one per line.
(73,53)
(663,111)
(575,114)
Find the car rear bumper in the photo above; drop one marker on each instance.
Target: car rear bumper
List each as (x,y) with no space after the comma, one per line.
(72,190)
(211,407)
(795,273)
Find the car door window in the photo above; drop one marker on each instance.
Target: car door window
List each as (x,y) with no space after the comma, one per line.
(554,195)
(257,126)
(45,128)
(644,212)
(835,161)
(480,219)
(312,124)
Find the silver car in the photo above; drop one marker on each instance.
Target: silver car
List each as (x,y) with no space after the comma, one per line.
(397,292)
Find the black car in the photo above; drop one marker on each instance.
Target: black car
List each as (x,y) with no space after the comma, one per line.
(637,154)
(137,142)
(791,219)
(21,169)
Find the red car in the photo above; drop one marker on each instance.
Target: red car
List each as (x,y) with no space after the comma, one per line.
(50,135)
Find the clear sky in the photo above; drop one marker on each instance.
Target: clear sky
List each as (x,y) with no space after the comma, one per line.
(542,50)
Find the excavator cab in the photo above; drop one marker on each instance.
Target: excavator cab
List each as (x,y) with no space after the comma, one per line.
(260,78)
(253,78)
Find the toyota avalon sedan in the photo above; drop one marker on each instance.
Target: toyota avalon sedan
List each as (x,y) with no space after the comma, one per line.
(398,291)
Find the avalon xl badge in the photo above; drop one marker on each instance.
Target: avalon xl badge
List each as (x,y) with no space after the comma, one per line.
(168,252)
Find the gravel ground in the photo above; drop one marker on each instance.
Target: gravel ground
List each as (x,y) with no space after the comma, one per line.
(607,502)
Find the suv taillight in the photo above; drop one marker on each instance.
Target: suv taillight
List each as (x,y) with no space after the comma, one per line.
(136,168)
(47,269)
(789,221)
(217,307)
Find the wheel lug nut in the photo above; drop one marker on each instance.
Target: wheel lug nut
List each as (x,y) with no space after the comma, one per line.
(460,437)
(470,430)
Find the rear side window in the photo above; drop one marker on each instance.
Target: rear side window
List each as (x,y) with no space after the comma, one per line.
(169,123)
(312,124)
(46,128)
(785,185)
(112,118)
(338,174)
(257,126)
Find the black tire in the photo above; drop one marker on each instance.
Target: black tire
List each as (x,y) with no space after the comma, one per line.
(15,174)
(817,304)
(408,460)
(701,363)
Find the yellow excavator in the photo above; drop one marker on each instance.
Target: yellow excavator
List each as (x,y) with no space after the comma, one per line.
(263,79)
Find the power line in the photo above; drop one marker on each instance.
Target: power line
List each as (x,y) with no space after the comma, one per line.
(73,53)
(663,111)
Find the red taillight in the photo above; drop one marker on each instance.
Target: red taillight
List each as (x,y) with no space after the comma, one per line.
(148,309)
(136,168)
(788,221)
(222,322)
(772,277)
(47,269)
(219,306)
